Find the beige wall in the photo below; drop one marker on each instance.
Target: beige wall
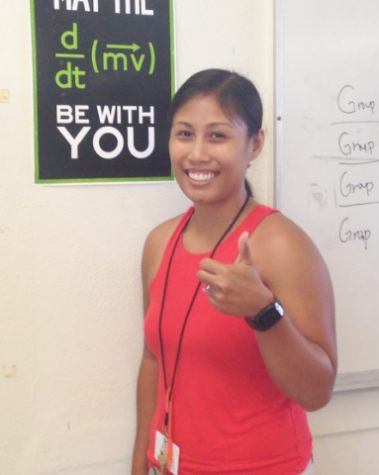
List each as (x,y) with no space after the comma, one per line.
(70,305)
(346,434)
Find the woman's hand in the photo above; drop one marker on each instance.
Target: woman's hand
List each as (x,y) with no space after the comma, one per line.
(236,289)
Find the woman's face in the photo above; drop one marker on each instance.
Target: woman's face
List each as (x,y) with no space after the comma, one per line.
(210,152)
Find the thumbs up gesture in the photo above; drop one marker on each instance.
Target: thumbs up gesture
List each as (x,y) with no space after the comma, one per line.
(235,289)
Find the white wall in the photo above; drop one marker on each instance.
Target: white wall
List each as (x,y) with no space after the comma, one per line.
(70,301)
(70,305)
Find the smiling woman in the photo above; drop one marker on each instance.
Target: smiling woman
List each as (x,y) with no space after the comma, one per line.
(210,152)
(228,373)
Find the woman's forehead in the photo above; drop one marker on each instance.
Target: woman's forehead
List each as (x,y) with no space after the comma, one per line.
(207,108)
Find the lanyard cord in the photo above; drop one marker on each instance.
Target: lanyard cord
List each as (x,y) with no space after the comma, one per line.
(169,393)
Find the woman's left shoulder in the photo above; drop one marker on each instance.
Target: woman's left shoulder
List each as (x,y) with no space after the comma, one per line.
(278,234)
(292,267)
(284,254)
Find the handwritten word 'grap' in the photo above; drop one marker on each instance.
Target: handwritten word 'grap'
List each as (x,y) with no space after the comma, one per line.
(347,188)
(347,146)
(347,235)
(348,104)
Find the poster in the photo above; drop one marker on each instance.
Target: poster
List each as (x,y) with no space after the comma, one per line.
(103,82)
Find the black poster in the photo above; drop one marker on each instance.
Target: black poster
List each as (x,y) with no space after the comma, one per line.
(103,81)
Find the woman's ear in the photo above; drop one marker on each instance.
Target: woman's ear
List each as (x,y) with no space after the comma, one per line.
(257,144)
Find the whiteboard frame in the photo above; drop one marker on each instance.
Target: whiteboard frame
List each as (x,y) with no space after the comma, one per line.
(278,103)
(356,381)
(345,381)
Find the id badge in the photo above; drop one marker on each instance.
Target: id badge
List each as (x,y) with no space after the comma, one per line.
(161,444)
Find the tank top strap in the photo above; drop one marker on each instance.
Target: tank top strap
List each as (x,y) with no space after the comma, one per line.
(249,224)
(256,217)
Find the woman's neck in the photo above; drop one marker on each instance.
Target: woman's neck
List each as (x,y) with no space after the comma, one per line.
(210,221)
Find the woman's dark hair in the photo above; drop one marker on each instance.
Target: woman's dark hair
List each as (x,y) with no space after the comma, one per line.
(236,95)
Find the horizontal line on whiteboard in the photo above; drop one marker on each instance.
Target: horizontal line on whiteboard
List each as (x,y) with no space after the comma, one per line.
(360,163)
(356,122)
(352,159)
(359,204)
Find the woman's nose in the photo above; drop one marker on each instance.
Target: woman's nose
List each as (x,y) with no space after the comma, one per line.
(198,151)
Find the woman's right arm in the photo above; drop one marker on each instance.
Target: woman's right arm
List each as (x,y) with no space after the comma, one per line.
(146,399)
(148,375)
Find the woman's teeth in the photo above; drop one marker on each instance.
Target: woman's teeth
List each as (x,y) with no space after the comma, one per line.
(200,176)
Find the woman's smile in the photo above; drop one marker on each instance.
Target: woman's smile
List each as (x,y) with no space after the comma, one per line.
(201,177)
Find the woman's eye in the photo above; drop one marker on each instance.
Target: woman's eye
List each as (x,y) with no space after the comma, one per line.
(184,133)
(217,135)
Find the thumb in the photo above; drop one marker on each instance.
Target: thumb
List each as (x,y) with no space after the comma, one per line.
(244,253)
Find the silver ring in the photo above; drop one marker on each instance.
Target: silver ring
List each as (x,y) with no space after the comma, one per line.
(206,288)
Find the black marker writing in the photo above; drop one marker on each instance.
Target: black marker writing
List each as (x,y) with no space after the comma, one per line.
(347,146)
(347,189)
(349,106)
(347,235)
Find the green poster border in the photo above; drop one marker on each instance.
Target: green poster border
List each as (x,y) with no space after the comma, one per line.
(35,114)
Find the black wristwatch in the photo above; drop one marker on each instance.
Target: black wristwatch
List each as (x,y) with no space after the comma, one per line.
(267,317)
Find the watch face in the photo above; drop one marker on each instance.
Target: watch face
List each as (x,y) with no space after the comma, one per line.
(267,317)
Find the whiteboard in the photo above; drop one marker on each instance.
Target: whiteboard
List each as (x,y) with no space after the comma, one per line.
(328,155)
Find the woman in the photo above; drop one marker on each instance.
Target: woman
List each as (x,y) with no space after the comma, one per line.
(239,327)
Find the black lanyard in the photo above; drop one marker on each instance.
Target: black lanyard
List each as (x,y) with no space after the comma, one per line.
(169,394)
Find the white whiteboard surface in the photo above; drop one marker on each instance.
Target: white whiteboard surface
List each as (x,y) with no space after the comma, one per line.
(328,155)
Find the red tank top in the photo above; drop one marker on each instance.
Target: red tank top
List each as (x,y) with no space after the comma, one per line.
(228,416)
